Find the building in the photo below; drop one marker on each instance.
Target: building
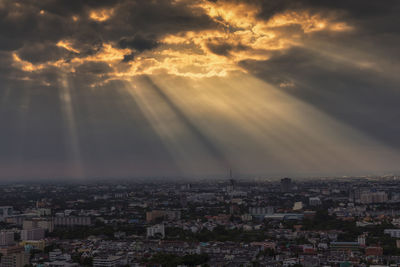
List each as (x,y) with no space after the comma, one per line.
(373,251)
(392,232)
(33,223)
(62,263)
(156,229)
(335,246)
(5,212)
(284,216)
(36,244)
(286,185)
(72,221)
(14,257)
(6,238)
(57,255)
(298,205)
(373,197)
(361,240)
(110,261)
(53,255)
(170,215)
(32,234)
(314,201)
(43,212)
(261,211)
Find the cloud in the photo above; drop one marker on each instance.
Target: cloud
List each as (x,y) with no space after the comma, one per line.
(138,43)
(163,36)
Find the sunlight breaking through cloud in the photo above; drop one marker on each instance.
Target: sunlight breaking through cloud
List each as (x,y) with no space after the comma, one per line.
(241,35)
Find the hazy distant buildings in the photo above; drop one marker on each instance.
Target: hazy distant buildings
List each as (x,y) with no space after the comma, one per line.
(286,185)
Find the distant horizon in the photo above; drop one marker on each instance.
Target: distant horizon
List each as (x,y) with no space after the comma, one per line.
(200,178)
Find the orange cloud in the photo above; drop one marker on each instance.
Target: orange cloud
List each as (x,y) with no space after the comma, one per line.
(101,15)
(241,35)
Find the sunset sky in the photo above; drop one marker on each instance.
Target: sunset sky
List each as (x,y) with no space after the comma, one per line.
(192,88)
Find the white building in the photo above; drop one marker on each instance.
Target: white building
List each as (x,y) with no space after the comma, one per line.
(392,232)
(314,201)
(53,255)
(361,240)
(156,229)
(110,261)
(298,205)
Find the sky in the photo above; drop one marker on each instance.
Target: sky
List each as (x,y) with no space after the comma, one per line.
(194,88)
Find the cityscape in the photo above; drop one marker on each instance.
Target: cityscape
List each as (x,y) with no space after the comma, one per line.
(352,221)
(199,133)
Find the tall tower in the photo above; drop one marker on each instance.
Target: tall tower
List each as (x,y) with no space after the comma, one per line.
(286,185)
(232,182)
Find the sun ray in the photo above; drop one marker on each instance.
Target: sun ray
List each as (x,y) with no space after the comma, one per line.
(72,139)
(275,125)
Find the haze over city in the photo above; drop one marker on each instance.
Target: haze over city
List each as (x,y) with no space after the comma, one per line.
(195,88)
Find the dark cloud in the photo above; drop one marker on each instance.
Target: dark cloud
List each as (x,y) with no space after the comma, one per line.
(94,68)
(224,49)
(128,57)
(139,43)
(42,52)
(220,49)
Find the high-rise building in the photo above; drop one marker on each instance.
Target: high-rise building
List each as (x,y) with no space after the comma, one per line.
(33,223)
(32,234)
(373,197)
(14,257)
(7,238)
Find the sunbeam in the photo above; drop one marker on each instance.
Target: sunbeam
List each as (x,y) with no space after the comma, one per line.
(270,125)
(72,138)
